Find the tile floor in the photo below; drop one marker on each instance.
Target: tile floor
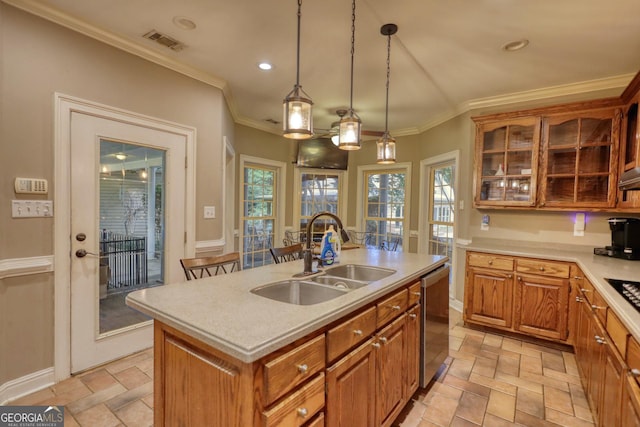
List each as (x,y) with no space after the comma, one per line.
(489,380)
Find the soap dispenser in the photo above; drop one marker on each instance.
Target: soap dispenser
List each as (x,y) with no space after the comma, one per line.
(327,254)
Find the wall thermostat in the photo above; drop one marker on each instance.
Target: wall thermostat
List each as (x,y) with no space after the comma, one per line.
(31,186)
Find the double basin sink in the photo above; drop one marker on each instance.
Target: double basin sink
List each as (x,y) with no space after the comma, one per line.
(332,283)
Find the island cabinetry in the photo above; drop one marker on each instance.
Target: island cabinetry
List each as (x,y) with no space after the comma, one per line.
(506,159)
(630,415)
(542,298)
(579,163)
(518,294)
(488,292)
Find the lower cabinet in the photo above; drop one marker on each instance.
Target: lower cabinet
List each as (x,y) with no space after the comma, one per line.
(525,295)
(359,371)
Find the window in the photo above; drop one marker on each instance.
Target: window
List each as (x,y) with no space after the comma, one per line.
(442,209)
(385,205)
(261,205)
(319,190)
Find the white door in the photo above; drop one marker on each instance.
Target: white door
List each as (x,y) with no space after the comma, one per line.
(127,231)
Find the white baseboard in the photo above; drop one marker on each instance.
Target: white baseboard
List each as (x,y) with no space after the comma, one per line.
(456,305)
(28,384)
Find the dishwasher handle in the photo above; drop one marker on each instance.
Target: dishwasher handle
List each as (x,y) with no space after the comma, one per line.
(435,276)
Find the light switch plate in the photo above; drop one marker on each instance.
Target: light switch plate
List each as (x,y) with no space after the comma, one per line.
(209,212)
(31,208)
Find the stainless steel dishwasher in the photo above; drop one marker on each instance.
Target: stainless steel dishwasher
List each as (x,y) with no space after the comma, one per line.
(434,323)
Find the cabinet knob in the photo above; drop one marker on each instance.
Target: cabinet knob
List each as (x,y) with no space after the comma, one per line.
(413,316)
(395,307)
(541,268)
(520,278)
(303,369)
(585,290)
(303,412)
(595,307)
(509,276)
(383,340)
(577,277)
(416,293)
(490,262)
(357,332)
(578,299)
(375,345)
(635,372)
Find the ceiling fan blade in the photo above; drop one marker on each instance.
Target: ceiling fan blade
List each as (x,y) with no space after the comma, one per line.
(372,132)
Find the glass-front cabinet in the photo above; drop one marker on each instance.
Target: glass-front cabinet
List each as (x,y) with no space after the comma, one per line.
(506,162)
(579,159)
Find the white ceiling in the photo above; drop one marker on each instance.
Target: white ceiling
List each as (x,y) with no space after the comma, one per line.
(446,54)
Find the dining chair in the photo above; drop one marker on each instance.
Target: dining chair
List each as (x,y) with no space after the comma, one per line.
(359,237)
(197,268)
(287,253)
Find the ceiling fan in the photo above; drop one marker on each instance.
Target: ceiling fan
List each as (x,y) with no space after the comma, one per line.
(332,132)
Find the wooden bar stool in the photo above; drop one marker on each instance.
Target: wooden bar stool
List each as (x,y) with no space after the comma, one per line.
(197,268)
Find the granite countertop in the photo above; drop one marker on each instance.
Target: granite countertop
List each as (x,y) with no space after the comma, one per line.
(222,312)
(595,267)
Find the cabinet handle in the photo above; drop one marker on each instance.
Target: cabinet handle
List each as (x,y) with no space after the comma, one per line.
(376,345)
(635,372)
(413,316)
(577,277)
(595,307)
(600,340)
(585,290)
(416,293)
(383,340)
(357,332)
(303,412)
(578,299)
(303,369)
(395,307)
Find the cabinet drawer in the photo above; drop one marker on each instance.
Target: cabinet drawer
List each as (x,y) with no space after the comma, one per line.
(290,369)
(542,267)
(617,332)
(600,307)
(392,307)
(318,421)
(299,407)
(414,293)
(587,290)
(350,333)
(633,357)
(490,261)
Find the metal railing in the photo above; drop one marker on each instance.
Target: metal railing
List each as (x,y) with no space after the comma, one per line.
(126,257)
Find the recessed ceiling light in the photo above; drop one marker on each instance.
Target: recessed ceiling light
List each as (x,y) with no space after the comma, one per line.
(184,23)
(515,45)
(265,66)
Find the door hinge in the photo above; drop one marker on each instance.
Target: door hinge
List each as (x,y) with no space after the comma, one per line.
(185,237)
(186,163)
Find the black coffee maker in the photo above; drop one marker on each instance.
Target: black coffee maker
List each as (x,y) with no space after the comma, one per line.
(625,239)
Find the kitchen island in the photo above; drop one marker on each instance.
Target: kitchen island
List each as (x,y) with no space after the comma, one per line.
(225,356)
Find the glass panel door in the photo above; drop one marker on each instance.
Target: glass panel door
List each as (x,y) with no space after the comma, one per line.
(258,217)
(384,211)
(442,210)
(131,228)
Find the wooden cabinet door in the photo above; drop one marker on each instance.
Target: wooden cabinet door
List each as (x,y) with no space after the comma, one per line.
(413,351)
(597,353)
(506,161)
(488,297)
(579,163)
(630,414)
(584,320)
(612,387)
(629,152)
(351,389)
(392,373)
(542,306)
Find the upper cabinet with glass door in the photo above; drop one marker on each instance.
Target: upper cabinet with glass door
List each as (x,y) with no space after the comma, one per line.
(579,160)
(506,162)
(630,142)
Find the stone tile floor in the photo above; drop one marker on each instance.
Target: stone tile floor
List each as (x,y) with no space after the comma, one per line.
(489,380)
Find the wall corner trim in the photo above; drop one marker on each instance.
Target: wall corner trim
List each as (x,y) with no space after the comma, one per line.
(12,390)
(25,266)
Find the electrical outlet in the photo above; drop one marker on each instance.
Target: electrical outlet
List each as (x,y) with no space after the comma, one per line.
(209,212)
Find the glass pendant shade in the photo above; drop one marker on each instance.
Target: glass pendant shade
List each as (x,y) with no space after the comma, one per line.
(298,120)
(349,133)
(386,149)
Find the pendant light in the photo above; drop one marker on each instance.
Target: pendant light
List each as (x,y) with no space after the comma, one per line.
(350,126)
(298,120)
(387,144)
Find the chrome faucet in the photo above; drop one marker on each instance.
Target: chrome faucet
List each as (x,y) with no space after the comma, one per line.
(307,255)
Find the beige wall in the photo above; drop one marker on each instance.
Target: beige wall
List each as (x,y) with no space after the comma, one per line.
(39,58)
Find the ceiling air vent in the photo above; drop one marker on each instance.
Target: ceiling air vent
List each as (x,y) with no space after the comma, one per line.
(164,40)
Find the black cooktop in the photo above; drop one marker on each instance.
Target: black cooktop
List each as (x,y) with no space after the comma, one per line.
(628,289)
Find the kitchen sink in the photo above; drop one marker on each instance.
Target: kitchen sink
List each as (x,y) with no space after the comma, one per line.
(362,273)
(298,292)
(339,282)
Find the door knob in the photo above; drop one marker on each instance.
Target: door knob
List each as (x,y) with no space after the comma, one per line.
(81,253)
(81,237)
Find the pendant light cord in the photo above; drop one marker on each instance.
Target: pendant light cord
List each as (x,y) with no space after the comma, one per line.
(298,49)
(353,43)
(386,108)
